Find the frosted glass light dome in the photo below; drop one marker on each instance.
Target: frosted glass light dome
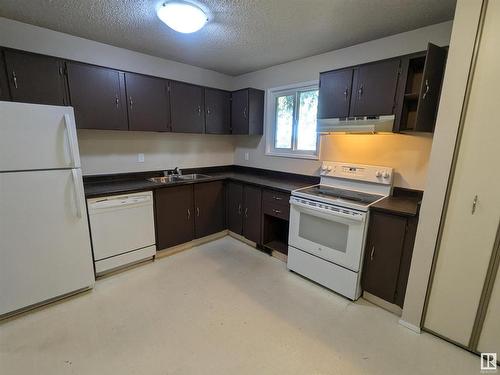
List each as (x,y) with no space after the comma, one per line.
(182,17)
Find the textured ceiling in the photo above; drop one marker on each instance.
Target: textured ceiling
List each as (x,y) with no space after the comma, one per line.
(242,35)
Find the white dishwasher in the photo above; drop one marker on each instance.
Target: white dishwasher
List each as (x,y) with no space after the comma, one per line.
(122,230)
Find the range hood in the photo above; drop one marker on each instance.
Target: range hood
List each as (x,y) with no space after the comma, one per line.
(368,124)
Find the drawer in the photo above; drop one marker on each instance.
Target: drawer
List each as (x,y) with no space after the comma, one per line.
(276,196)
(279,210)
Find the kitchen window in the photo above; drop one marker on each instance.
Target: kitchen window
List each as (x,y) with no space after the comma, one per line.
(291,119)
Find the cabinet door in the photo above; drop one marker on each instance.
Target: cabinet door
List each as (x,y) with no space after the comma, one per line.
(174,216)
(209,208)
(148,105)
(98,97)
(430,89)
(217,111)
(384,248)
(335,93)
(239,112)
(4,86)
(36,78)
(234,207)
(252,198)
(187,111)
(375,88)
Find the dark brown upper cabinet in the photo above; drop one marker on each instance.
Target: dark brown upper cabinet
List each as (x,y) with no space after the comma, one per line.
(36,78)
(98,97)
(374,88)
(247,112)
(187,109)
(4,86)
(335,93)
(174,210)
(419,90)
(217,111)
(209,208)
(148,103)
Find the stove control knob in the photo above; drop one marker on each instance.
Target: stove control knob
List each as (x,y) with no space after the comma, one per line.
(386,174)
(378,174)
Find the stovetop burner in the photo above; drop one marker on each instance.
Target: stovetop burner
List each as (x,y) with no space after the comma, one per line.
(329,193)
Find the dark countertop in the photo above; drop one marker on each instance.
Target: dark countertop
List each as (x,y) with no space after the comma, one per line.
(96,186)
(402,202)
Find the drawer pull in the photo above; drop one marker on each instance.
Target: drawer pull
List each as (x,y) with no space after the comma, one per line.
(372,253)
(276,211)
(277,198)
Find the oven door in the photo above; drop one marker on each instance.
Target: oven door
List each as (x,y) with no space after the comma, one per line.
(334,234)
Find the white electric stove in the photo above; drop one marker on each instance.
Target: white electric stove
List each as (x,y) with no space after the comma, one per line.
(328,224)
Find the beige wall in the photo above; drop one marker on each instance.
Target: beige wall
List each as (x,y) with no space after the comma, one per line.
(452,97)
(408,154)
(105,152)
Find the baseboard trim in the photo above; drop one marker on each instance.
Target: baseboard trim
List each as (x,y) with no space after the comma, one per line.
(239,237)
(395,309)
(189,245)
(410,326)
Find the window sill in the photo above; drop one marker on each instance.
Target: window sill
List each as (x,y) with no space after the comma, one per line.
(292,155)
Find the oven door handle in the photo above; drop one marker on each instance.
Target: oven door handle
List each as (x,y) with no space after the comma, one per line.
(358,218)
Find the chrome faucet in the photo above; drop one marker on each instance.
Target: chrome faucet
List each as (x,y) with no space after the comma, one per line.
(173,172)
(177,171)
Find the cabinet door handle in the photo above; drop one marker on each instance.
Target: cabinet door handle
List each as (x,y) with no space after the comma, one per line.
(239,209)
(246,211)
(372,253)
(189,213)
(130,102)
(198,211)
(208,111)
(117,101)
(199,110)
(426,89)
(360,92)
(346,93)
(245,113)
(14,78)
(474,204)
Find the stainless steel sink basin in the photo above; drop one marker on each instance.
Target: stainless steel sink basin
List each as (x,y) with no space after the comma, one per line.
(194,176)
(177,178)
(163,180)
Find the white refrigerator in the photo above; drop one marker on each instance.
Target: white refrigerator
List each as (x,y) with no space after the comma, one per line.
(45,250)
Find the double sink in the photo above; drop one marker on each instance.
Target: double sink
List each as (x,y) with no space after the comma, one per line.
(178,178)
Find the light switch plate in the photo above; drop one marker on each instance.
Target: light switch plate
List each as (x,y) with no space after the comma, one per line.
(247,156)
(140,158)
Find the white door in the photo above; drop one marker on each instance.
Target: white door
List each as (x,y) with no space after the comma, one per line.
(34,136)
(489,341)
(44,238)
(470,228)
(334,236)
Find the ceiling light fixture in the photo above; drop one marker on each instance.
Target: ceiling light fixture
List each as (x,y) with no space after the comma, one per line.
(182,17)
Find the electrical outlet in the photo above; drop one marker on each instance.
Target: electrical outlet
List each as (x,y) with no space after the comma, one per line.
(247,156)
(140,158)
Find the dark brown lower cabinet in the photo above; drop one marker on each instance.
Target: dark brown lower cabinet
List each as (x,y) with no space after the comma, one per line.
(234,207)
(252,212)
(209,208)
(244,210)
(388,252)
(174,210)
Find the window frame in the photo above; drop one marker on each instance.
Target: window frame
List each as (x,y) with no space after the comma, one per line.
(271,97)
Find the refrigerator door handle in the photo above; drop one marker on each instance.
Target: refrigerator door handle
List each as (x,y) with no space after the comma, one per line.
(71,139)
(78,192)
